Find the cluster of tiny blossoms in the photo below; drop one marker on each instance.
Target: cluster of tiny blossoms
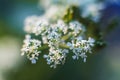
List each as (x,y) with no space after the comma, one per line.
(60,37)
(30,48)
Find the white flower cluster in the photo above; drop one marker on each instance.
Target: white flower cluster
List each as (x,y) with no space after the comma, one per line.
(30,48)
(80,47)
(76,27)
(56,56)
(60,37)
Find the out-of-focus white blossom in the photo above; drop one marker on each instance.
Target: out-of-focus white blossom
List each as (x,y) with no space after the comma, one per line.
(54,12)
(93,10)
(36,25)
(48,3)
(30,23)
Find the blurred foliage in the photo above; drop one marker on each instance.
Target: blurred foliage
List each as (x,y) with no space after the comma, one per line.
(111,26)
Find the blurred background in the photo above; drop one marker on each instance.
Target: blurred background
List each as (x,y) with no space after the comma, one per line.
(103,65)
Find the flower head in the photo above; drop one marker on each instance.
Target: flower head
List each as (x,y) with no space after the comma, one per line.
(56,56)
(30,48)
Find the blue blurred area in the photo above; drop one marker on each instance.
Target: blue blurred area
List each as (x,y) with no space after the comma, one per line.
(105,65)
(112,11)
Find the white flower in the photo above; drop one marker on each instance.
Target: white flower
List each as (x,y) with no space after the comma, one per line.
(81,47)
(76,27)
(91,41)
(62,26)
(44,39)
(76,52)
(53,35)
(40,26)
(55,57)
(30,48)
(33,61)
(70,45)
(84,56)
